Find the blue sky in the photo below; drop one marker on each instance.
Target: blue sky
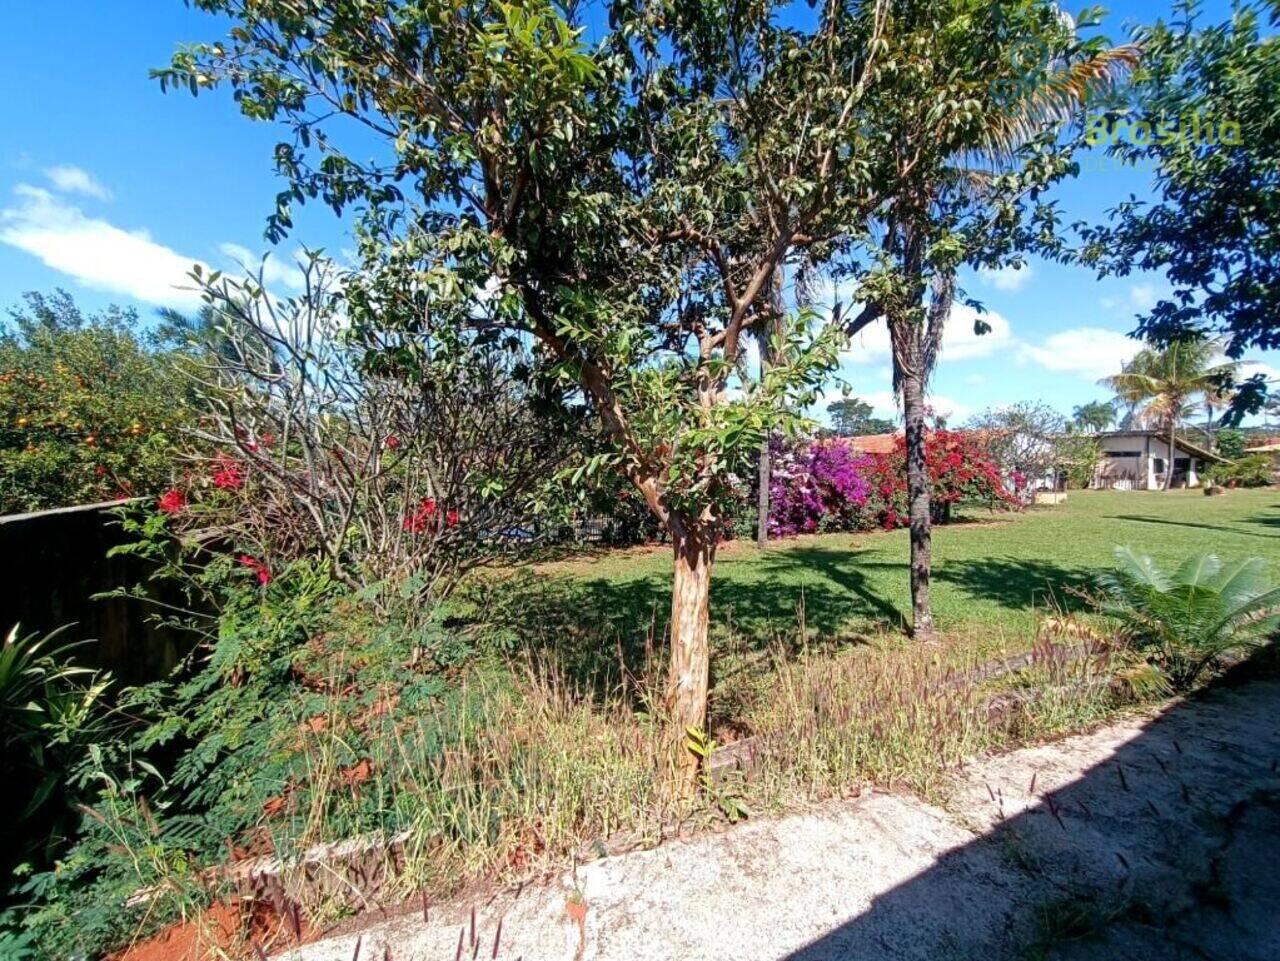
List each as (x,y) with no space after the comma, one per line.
(110,189)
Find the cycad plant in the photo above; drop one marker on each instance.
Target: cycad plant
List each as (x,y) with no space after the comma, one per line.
(1184,620)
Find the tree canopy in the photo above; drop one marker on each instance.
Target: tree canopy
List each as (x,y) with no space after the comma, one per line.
(1202,110)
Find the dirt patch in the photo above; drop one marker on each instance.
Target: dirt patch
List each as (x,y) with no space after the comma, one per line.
(234,929)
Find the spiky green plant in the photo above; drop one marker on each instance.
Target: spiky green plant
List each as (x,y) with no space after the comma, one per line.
(48,708)
(1184,620)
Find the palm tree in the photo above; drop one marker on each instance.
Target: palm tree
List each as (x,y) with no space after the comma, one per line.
(914,295)
(1163,385)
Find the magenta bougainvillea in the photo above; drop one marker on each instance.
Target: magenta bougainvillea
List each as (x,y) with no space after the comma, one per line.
(819,486)
(829,485)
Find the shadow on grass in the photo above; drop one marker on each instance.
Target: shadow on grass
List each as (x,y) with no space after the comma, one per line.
(1015,583)
(606,631)
(1166,849)
(1222,528)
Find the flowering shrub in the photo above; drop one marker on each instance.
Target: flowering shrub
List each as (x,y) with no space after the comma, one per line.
(830,485)
(824,485)
(89,408)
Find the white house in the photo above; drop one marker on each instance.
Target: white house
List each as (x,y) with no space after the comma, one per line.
(1138,460)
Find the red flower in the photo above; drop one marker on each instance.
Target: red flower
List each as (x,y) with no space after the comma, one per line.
(172,502)
(260,569)
(392,442)
(423,518)
(227,475)
(452,518)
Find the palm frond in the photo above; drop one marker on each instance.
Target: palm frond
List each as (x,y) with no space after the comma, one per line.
(1141,570)
(1055,100)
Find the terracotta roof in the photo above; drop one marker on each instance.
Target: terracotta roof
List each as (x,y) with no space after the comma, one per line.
(875,443)
(1269,446)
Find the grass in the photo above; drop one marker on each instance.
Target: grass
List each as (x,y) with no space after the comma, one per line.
(993,574)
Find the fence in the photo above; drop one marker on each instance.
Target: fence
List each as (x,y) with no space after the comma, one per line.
(54,562)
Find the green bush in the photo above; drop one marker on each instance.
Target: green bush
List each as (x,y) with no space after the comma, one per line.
(1256,470)
(1185,620)
(87,410)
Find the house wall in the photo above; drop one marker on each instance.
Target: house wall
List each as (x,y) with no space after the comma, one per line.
(1138,462)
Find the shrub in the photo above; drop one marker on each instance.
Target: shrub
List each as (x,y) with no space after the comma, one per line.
(1256,470)
(88,412)
(49,713)
(407,461)
(827,485)
(1183,621)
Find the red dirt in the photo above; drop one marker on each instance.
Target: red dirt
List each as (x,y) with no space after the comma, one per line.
(226,929)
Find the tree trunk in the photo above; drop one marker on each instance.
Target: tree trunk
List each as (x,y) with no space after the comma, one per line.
(766,459)
(918,501)
(1168,467)
(688,680)
(762,498)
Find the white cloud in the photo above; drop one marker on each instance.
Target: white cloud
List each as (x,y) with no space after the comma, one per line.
(885,405)
(276,268)
(76,180)
(96,253)
(975,380)
(1143,296)
(959,342)
(1250,368)
(1009,278)
(870,345)
(1090,352)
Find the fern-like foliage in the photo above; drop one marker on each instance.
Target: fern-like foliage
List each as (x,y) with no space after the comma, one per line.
(1185,619)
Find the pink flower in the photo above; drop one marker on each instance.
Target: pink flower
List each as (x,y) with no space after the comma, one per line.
(172,502)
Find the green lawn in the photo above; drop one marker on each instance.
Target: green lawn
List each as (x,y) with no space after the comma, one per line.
(992,574)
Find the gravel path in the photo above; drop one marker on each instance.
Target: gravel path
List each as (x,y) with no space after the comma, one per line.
(1154,838)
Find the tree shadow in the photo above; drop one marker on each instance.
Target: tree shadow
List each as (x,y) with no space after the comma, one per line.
(1208,527)
(1016,583)
(1165,850)
(604,631)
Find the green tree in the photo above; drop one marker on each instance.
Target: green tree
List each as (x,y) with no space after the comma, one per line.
(87,409)
(1231,443)
(622,203)
(1094,416)
(851,416)
(1214,226)
(976,142)
(1162,384)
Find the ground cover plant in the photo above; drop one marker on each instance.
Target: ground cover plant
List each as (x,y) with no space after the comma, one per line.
(475,744)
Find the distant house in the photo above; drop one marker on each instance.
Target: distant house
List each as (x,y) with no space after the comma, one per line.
(1138,459)
(1269,446)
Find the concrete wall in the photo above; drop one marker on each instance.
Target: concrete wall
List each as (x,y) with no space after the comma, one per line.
(51,565)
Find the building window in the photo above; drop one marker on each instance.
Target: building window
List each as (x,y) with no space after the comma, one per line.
(1120,454)
(1158,464)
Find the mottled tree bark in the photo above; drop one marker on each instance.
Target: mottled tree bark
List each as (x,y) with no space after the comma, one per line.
(694,545)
